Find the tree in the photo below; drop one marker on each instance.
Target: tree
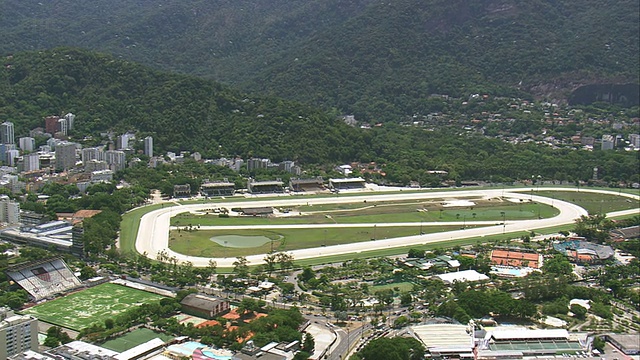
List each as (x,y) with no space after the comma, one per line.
(270,262)
(241,267)
(307,274)
(406,299)
(108,323)
(397,348)
(308,344)
(578,311)
(285,260)
(87,272)
(415,253)
(557,265)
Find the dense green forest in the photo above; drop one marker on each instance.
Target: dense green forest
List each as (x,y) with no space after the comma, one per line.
(187,113)
(377,60)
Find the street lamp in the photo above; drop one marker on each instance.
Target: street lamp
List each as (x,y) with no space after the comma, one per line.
(504,221)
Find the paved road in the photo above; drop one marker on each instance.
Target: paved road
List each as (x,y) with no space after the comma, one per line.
(153,233)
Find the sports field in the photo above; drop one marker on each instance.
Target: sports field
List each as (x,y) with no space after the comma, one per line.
(81,309)
(133,339)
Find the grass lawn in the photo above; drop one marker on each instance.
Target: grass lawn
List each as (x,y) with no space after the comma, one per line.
(368,213)
(402,287)
(592,202)
(199,243)
(81,309)
(133,339)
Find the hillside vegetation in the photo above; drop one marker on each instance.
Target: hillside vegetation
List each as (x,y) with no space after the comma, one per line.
(188,113)
(182,112)
(378,60)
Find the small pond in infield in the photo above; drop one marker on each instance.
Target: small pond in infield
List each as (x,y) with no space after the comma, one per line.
(240,241)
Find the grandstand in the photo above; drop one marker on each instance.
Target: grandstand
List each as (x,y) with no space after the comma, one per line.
(218,188)
(526,342)
(265,187)
(307,185)
(347,184)
(44,278)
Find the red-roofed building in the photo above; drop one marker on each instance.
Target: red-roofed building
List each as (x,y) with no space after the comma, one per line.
(510,257)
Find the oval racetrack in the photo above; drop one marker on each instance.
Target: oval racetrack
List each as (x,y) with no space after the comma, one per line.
(153,233)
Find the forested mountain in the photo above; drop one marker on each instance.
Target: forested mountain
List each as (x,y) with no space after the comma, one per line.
(378,60)
(180,111)
(188,113)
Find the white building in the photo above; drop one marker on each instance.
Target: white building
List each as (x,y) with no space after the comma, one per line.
(12,156)
(148,146)
(116,159)
(608,142)
(92,153)
(9,211)
(462,276)
(65,155)
(70,119)
(102,175)
(27,144)
(31,162)
(7,133)
(17,333)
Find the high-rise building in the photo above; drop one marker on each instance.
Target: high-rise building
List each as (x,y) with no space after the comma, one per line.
(608,142)
(6,133)
(17,333)
(9,211)
(94,153)
(116,159)
(148,146)
(254,163)
(634,140)
(65,155)
(122,141)
(27,144)
(31,162)
(63,126)
(51,124)
(70,119)
(12,157)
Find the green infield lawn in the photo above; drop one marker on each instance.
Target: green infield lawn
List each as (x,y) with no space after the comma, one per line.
(199,243)
(372,213)
(81,309)
(594,203)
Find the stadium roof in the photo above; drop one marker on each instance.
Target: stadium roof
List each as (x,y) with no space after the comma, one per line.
(444,336)
(518,333)
(347,180)
(462,276)
(141,349)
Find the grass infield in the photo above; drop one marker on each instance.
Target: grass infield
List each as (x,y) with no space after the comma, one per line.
(94,305)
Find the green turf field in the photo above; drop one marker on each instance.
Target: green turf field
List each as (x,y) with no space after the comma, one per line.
(199,243)
(592,202)
(81,309)
(385,212)
(133,339)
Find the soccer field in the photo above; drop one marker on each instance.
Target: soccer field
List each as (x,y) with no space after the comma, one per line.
(79,310)
(133,339)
